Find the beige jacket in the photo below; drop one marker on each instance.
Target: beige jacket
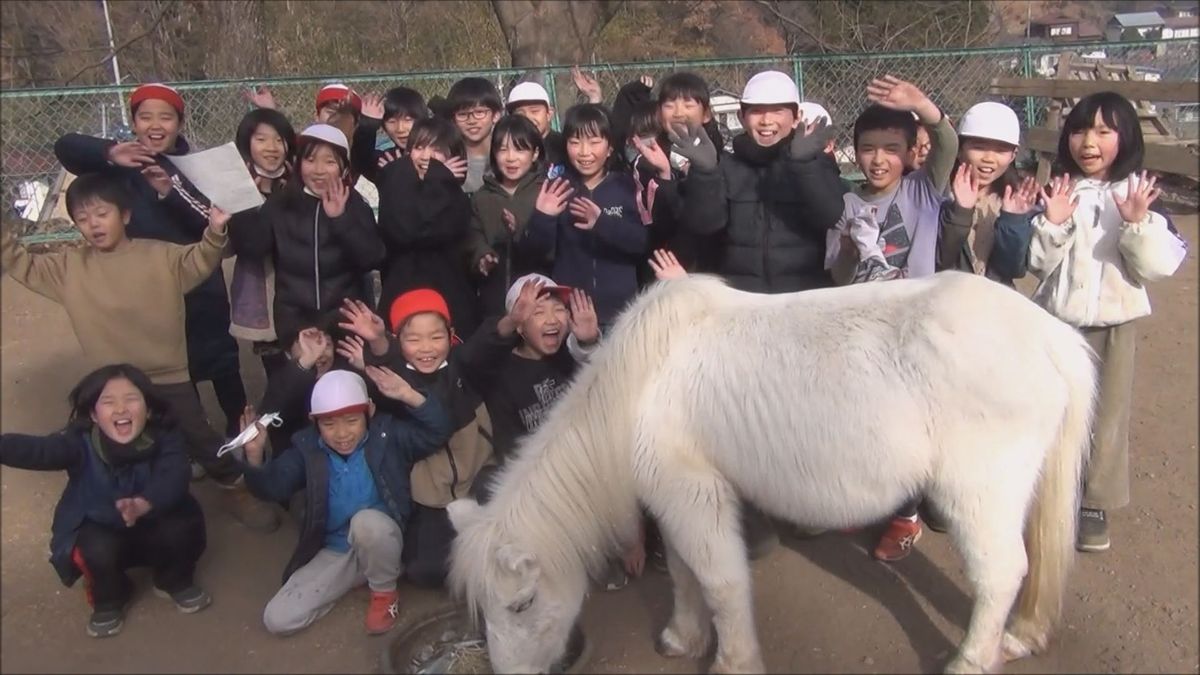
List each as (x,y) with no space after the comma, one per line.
(448,474)
(1093,267)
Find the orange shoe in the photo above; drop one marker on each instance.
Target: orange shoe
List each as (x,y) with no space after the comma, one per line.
(382,612)
(898,541)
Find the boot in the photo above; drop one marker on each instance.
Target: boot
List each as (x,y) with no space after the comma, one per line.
(249,510)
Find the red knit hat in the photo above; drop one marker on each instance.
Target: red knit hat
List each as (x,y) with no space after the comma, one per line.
(419,301)
(331,93)
(156,91)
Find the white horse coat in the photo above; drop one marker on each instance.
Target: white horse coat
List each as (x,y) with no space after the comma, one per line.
(828,408)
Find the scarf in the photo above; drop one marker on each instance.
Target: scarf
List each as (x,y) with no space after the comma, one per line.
(754,154)
(120,454)
(983,231)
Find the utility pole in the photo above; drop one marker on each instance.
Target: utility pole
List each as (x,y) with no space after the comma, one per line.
(116,69)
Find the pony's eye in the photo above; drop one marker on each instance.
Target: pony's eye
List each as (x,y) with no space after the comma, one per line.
(518,608)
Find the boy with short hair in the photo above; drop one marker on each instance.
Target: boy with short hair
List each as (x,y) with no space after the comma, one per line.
(395,113)
(474,106)
(889,227)
(354,467)
(531,101)
(125,299)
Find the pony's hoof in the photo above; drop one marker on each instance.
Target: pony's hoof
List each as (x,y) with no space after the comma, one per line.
(961,666)
(1013,648)
(721,665)
(670,645)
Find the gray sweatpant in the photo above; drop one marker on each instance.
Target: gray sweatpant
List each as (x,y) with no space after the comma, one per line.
(374,559)
(1106,485)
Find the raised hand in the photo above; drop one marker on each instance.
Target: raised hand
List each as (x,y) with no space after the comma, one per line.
(810,140)
(312,343)
(647,80)
(654,156)
(261,97)
(351,349)
(158,178)
(132,508)
(965,187)
(645,211)
(1058,202)
(334,198)
(552,199)
(361,321)
(587,85)
(583,322)
(892,92)
(393,386)
(372,106)
(510,221)
(457,166)
(693,143)
(526,301)
(586,212)
(218,220)
(254,448)
(666,266)
(487,263)
(1022,199)
(1141,193)
(131,154)
(388,157)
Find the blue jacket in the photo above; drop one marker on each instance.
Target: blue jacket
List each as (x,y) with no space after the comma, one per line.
(602,261)
(393,446)
(93,486)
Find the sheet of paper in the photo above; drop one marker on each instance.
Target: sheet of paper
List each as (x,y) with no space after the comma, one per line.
(221,175)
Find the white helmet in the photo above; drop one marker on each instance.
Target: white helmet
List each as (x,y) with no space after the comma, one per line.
(528,92)
(328,133)
(991,120)
(811,112)
(770,87)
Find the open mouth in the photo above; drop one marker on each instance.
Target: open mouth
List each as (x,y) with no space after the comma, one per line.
(878,173)
(427,362)
(123,427)
(767,134)
(585,164)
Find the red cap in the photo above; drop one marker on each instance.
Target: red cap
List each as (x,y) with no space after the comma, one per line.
(156,91)
(420,301)
(336,92)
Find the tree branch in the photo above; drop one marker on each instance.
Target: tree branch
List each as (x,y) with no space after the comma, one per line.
(153,26)
(795,24)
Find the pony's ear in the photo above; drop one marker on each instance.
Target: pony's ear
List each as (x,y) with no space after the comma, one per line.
(463,513)
(526,568)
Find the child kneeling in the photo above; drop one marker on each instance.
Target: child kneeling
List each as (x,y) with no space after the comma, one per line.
(126,503)
(354,466)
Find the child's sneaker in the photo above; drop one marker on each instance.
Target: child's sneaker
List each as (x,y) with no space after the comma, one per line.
(382,612)
(189,601)
(898,541)
(1093,531)
(105,623)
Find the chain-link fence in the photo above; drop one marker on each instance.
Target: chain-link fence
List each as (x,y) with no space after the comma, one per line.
(34,119)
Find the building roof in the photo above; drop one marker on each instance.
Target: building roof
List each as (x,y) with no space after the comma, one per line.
(1182,21)
(1052,20)
(1138,19)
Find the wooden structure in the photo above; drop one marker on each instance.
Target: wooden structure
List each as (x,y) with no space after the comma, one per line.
(1075,79)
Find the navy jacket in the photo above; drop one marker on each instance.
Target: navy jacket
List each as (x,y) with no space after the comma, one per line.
(179,218)
(393,446)
(93,486)
(602,261)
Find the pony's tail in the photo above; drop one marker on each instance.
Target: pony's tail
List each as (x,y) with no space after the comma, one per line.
(1050,528)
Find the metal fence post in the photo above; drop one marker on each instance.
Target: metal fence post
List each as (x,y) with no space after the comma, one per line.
(1027,71)
(548,78)
(798,73)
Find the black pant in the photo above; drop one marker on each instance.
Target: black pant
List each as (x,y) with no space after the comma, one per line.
(231,396)
(427,539)
(202,440)
(170,543)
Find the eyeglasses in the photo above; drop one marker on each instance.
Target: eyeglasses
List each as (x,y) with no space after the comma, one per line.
(476,114)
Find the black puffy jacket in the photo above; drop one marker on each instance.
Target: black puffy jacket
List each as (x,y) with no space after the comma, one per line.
(319,261)
(771,216)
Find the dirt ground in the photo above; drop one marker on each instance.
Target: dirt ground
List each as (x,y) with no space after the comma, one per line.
(822,604)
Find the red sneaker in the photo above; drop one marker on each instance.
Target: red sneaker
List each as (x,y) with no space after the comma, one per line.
(382,612)
(898,541)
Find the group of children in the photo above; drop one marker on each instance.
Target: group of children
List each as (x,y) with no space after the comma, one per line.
(505,251)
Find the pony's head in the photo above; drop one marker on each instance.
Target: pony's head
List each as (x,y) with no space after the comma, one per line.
(528,608)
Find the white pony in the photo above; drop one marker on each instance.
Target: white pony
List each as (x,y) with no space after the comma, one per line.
(828,408)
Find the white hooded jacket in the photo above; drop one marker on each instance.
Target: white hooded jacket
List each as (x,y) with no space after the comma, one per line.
(1093,267)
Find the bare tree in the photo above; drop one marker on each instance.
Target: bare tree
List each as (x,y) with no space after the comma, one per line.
(882,26)
(546,32)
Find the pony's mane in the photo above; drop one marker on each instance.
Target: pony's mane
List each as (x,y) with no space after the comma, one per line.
(567,494)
